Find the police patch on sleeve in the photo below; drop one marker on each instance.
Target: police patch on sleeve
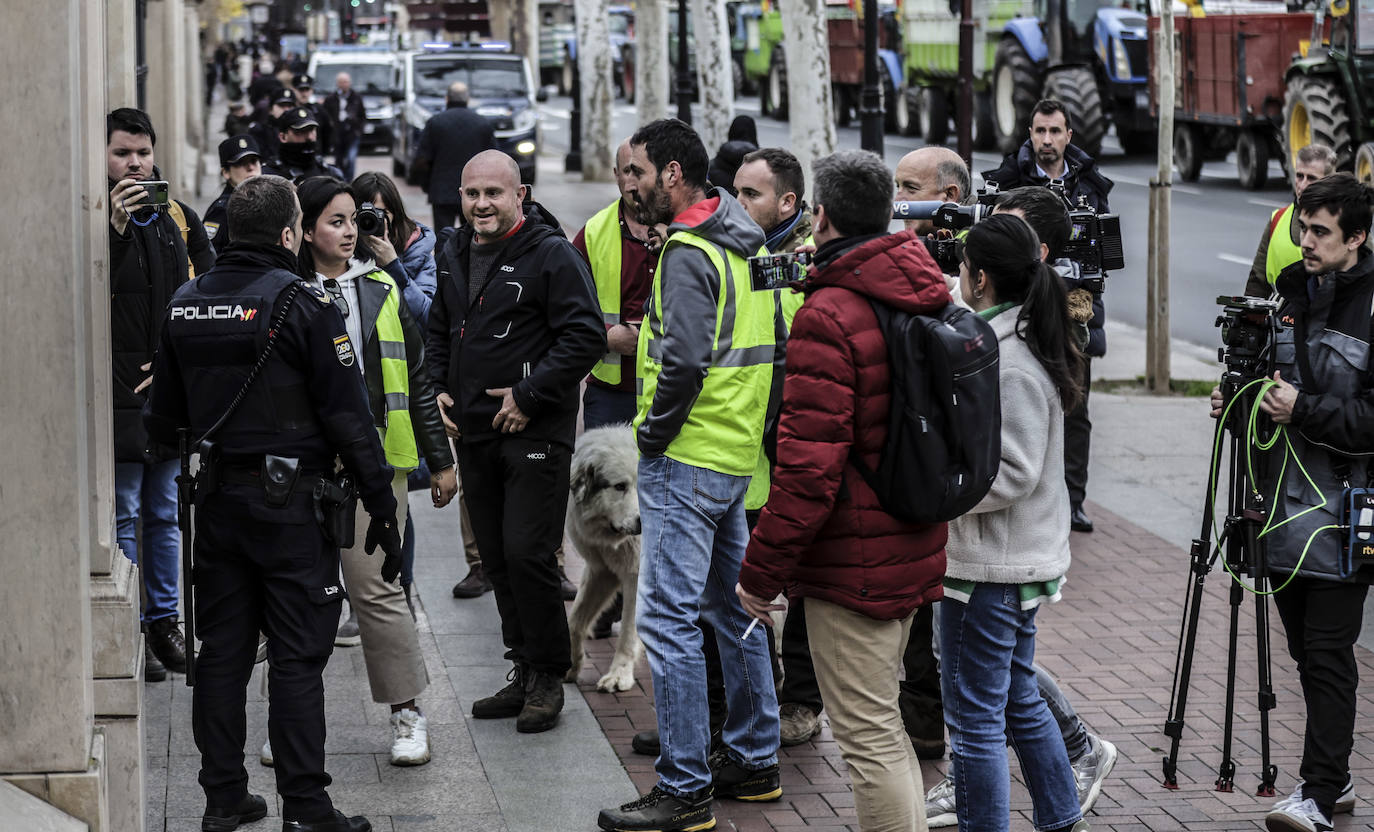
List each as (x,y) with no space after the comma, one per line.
(343,348)
(315,292)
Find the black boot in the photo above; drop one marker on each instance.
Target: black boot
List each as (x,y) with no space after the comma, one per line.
(153,670)
(474,585)
(338,823)
(164,636)
(661,811)
(646,743)
(610,615)
(1078,519)
(543,703)
(228,818)
(506,702)
(730,779)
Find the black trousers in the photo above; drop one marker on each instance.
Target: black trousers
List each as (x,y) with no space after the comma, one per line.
(923,713)
(258,568)
(1078,429)
(1322,620)
(444,215)
(517,496)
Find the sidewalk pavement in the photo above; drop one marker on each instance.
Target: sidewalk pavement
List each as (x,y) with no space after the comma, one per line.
(1111,643)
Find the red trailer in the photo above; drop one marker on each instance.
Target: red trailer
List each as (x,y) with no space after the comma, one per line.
(1229,88)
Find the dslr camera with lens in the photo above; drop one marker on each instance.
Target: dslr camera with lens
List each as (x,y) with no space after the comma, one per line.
(371,220)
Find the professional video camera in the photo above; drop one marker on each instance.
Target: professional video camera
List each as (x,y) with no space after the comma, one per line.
(1247,329)
(371,220)
(951,217)
(1094,240)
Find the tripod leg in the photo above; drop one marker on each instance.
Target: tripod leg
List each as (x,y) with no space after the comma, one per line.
(1183,668)
(1226,773)
(1267,701)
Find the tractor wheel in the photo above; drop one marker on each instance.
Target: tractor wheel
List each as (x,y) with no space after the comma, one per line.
(1314,110)
(1188,151)
(1076,87)
(984,130)
(895,109)
(1252,159)
(776,86)
(1364,163)
(1015,89)
(934,115)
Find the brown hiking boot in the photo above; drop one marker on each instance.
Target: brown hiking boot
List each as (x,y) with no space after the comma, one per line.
(474,585)
(506,702)
(543,703)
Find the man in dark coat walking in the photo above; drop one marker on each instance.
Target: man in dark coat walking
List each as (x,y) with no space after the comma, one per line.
(450,139)
(343,109)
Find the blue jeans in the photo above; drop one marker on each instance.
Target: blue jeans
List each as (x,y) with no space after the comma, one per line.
(987,650)
(149,491)
(601,407)
(347,158)
(693,543)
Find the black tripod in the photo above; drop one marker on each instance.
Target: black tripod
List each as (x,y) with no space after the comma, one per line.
(1245,555)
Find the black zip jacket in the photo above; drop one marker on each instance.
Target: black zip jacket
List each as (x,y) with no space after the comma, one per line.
(1081,176)
(535,327)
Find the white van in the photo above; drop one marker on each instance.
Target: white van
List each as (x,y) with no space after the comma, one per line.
(375,72)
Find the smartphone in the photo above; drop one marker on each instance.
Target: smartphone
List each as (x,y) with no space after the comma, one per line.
(777,271)
(156,190)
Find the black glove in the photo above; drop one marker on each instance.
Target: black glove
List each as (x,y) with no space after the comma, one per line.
(382,531)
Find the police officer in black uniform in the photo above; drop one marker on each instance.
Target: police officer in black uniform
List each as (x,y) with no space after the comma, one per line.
(239,159)
(298,153)
(262,561)
(264,126)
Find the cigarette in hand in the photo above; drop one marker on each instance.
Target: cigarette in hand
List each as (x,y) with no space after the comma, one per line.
(749,629)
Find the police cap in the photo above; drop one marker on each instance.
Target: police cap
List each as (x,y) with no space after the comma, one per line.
(297,118)
(237,148)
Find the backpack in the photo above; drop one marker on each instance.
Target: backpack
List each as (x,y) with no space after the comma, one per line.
(178,215)
(944,429)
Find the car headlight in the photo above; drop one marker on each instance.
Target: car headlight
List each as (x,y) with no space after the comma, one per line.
(525,148)
(1123,63)
(386,112)
(417,115)
(525,120)
(493,112)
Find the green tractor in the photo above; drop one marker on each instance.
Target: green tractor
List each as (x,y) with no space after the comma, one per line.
(1328,97)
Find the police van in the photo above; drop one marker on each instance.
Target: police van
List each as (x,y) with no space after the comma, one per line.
(374,72)
(500,88)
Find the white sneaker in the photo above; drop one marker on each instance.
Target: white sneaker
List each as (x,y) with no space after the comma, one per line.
(1345,801)
(1090,770)
(265,755)
(940,805)
(1294,815)
(410,738)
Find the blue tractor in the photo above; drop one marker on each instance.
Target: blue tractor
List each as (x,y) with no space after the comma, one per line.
(1090,54)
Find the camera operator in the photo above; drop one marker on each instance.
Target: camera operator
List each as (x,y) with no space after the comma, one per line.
(934,173)
(1046,213)
(1323,395)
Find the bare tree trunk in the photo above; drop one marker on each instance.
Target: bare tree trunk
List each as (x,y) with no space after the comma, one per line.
(594,67)
(715,77)
(522,21)
(651,61)
(810,124)
(1157,347)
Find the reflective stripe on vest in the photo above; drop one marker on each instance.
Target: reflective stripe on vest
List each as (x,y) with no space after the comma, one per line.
(602,238)
(757,495)
(1282,252)
(398,437)
(724,430)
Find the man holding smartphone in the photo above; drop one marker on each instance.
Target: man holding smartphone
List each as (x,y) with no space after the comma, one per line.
(153,246)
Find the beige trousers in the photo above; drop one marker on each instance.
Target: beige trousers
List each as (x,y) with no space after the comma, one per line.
(391,647)
(857,661)
(470,553)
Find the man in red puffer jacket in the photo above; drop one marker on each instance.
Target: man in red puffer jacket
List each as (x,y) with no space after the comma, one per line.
(823,532)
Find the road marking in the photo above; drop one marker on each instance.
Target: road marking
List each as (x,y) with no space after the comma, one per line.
(1267,203)
(1141,183)
(554,112)
(1236,258)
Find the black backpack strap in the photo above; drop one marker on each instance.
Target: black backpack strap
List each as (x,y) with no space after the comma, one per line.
(884,316)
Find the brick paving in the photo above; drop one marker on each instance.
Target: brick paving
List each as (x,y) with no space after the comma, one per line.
(1111,643)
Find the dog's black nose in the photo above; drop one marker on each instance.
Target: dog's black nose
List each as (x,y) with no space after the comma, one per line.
(637,527)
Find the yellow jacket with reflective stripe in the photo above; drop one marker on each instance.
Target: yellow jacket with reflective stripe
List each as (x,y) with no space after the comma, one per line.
(398,437)
(724,430)
(757,495)
(602,238)
(1282,251)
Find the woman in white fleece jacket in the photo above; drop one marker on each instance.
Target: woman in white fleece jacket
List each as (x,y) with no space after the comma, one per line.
(1009,554)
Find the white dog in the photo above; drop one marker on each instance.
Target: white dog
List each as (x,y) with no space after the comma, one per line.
(603,523)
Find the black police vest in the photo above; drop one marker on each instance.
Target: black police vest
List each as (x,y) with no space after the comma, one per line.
(218,337)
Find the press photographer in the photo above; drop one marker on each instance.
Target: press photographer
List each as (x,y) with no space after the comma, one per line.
(1323,397)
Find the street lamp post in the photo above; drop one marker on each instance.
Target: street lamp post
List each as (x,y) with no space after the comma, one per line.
(684,76)
(870,100)
(963,112)
(572,163)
